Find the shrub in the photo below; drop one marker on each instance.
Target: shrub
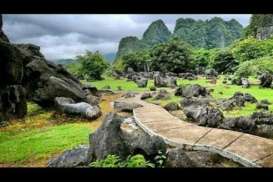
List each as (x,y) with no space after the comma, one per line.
(255,67)
(224,62)
(251,48)
(113,161)
(172,56)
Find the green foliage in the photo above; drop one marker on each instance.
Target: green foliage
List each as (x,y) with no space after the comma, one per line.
(139,61)
(75,69)
(114,161)
(257,21)
(251,48)
(224,62)
(92,65)
(172,56)
(160,159)
(201,57)
(214,33)
(255,67)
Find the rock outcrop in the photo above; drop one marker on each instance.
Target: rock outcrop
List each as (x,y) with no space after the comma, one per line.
(83,109)
(26,75)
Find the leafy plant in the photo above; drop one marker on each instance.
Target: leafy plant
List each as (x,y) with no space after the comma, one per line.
(160,159)
(114,161)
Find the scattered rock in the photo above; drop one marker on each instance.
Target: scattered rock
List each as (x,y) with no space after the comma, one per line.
(187,76)
(245,83)
(172,106)
(177,158)
(265,101)
(242,124)
(211,73)
(107,139)
(141,82)
(164,81)
(237,100)
(262,106)
(145,95)
(202,113)
(71,158)
(125,106)
(122,137)
(266,80)
(68,106)
(129,95)
(162,94)
(194,90)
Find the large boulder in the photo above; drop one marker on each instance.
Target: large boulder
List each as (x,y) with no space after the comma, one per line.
(187,76)
(177,158)
(266,79)
(237,100)
(107,139)
(141,82)
(83,109)
(194,90)
(202,113)
(125,106)
(211,73)
(12,93)
(172,106)
(162,94)
(161,80)
(71,158)
(2,34)
(12,102)
(122,137)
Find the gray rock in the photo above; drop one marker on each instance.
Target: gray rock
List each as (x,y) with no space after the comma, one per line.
(266,80)
(71,158)
(262,106)
(129,95)
(141,82)
(187,76)
(164,81)
(211,73)
(125,106)
(177,158)
(68,106)
(194,90)
(145,95)
(172,106)
(107,139)
(122,137)
(162,94)
(245,83)
(139,142)
(204,115)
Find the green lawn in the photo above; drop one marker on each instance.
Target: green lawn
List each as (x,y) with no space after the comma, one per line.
(220,91)
(124,84)
(40,143)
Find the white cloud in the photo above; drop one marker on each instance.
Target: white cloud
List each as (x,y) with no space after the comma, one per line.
(65,36)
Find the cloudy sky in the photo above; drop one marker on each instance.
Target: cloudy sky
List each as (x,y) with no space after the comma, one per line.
(64,36)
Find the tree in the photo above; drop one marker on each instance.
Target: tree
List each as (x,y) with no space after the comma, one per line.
(201,57)
(139,61)
(251,48)
(172,56)
(92,65)
(224,62)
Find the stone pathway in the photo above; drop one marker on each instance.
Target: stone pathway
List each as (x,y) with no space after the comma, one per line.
(246,149)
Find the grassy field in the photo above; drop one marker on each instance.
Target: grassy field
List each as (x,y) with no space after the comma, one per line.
(43,134)
(221,91)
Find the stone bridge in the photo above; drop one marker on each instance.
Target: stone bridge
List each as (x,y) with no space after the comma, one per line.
(246,149)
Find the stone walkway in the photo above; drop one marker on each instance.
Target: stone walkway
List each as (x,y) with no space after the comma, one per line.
(246,149)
